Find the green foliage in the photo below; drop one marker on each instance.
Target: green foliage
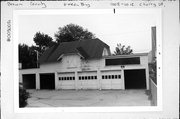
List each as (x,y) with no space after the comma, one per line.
(42,41)
(23,96)
(72,32)
(27,56)
(153,71)
(122,50)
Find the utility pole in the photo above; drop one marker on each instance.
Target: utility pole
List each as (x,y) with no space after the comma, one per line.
(37,54)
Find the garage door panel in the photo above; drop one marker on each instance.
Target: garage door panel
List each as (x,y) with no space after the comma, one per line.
(106,83)
(111,79)
(87,80)
(116,87)
(67,87)
(66,80)
(89,87)
(106,86)
(116,81)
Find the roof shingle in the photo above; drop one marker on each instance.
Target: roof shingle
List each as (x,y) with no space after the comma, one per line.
(89,49)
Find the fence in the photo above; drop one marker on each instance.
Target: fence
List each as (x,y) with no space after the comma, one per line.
(153,92)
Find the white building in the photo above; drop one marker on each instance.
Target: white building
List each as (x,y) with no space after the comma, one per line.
(87,64)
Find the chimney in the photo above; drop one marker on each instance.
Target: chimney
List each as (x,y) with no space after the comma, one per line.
(153,36)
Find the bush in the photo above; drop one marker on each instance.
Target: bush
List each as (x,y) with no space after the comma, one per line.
(23,96)
(153,71)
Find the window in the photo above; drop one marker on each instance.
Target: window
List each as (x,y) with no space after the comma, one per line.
(122,61)
(67,78)
(111,76)
(85,77)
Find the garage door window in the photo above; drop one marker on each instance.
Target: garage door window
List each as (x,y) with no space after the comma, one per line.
(66,78)
(87,77)
(111,76)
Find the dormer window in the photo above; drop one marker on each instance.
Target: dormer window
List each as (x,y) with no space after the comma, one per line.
(105,52)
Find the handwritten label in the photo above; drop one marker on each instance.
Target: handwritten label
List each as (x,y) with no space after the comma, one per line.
(137,4)
(77,4)
(33,4)
(38,4)
(80,4)
(14,4)
(9,30)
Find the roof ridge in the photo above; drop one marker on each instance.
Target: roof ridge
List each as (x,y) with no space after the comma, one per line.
(89,48)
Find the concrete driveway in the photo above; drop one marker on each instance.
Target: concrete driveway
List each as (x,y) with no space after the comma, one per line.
(88,98)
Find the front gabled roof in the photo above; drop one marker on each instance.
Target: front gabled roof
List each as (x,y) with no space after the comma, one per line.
(88,49)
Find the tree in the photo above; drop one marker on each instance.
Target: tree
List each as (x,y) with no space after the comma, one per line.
(122,50)
(72,32)
(27,56)
(42,41)
(23,96)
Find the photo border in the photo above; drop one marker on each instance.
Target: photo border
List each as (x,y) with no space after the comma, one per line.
(156,11)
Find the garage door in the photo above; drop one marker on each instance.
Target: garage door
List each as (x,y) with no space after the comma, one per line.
(111,79)
(87,80)
(29,81)
(66,80)
(47,81)
(135,79)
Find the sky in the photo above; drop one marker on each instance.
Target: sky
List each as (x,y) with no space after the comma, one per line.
(128,29)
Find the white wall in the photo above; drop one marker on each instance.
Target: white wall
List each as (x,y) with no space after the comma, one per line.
(73,63)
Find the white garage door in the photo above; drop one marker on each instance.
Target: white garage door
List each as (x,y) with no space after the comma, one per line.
(111,79)
(66,80)
(87,80)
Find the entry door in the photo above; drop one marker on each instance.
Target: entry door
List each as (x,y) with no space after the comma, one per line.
(47,81)
(135,79)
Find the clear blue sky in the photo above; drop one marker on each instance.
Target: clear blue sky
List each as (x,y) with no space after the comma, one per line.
(127,29)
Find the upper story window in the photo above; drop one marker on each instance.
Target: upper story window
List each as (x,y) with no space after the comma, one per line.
(122,61)
(105,52)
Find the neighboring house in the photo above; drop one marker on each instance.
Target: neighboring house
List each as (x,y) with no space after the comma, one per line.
(87,64)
